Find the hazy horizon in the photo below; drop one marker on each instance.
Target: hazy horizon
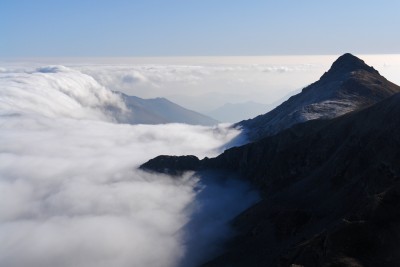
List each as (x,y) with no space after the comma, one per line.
(204,84)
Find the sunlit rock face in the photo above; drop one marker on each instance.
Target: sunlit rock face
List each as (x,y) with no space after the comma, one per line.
(349,85)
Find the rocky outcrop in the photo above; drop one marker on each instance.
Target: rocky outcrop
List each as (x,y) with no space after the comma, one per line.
(172,165)
(349,85)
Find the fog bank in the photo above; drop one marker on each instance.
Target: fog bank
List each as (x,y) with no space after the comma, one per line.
(71,191)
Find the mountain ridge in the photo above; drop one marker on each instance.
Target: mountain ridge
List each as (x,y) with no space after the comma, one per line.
(334,181)
(348,85)
(331,190)
(160,110)
(331,187)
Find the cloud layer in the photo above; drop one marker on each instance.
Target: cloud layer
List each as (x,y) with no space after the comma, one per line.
(206,87)
(71,191)
(56,91)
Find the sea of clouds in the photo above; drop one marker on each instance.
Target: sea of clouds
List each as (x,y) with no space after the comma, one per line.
(195,84)
(206,83)
(202,87)
(71,193)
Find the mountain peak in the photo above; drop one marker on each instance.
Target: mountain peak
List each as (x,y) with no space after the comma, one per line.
(349,85)
(347,63)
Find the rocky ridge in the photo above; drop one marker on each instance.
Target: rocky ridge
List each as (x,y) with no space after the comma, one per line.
(349,85)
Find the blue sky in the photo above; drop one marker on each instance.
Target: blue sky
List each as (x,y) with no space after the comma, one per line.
(100,28)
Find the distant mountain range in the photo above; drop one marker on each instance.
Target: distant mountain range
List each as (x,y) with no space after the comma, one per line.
(327,162)
(233,112)
(349,85)
(159,111)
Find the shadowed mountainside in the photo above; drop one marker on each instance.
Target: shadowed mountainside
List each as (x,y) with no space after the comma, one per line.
(331,192)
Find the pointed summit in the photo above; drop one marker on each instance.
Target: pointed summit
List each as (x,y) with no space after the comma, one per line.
(346,64)
(349,85)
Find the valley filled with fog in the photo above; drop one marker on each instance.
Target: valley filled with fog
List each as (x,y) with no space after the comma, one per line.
(71,191)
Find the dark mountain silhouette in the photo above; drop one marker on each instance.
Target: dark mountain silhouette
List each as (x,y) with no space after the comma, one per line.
(331,192)
(349,85)
(160,110)
(331,188)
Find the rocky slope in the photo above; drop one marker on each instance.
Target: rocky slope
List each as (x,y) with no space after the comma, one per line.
(161,110)
(331,192)
(349,85)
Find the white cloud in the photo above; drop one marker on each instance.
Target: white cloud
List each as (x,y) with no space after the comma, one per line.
(71,191)
(195,86)
(57,91)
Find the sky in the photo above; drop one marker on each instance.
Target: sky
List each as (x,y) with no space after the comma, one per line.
(119,28)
